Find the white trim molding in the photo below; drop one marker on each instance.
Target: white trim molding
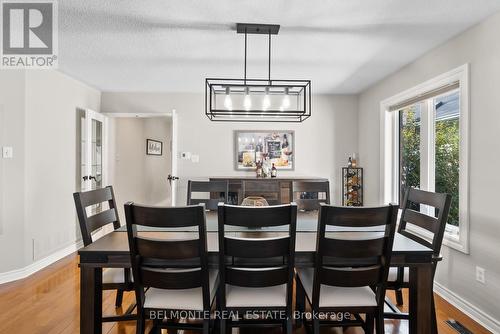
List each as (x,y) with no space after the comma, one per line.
(472,311)
(32,268)
(389,162)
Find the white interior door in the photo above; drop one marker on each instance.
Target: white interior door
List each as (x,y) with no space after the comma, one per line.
(94,146)
(173,178)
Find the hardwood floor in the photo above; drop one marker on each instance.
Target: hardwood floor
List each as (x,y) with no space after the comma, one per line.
(48,302)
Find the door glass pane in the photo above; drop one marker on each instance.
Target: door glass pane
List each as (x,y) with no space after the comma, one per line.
(96,154)
(83,154)
(96,160)
(409,148)
(447,136)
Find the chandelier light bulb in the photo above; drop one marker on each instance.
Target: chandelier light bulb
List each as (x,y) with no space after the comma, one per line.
(228,103)
(247,102)
(266,103)
(286,99)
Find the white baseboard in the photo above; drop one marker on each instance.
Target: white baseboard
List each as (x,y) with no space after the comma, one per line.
(472,311)
(21,273)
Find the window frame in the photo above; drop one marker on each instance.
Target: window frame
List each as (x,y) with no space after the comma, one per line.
(457,238)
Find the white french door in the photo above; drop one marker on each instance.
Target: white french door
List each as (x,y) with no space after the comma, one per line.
(93,151)
(173,178)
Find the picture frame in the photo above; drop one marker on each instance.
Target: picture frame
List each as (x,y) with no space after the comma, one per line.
(277,146)
(154,147)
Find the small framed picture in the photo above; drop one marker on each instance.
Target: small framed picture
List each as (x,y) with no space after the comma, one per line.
(154,147)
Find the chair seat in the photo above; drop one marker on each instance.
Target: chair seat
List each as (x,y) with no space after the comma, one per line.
(272,296)
(180,299)
(335,296)
(393,274)
(114,275)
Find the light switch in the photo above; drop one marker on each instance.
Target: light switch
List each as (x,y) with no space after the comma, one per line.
(7,152)
(195,158)
(186,155)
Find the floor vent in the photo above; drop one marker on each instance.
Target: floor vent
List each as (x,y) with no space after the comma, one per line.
(458,327)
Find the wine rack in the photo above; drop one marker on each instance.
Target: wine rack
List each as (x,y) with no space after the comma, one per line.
(352,186)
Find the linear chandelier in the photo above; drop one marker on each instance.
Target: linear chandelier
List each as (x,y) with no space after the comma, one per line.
(257,100)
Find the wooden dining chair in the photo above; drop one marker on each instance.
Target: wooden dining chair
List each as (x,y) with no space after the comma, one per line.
(433,223)
(270,190)
(260,271)
(209,188)
(351,269)
(309,194)
(118,279)
(170,275)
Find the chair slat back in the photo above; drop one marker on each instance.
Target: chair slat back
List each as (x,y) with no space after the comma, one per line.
(170,271)
(264,261)
(354,259)
(263,188)
(356,216)
(435,222)
(89,224)
(170,279)
(314,187)
(207,187)
(257,217)
(248,277)
(257,248)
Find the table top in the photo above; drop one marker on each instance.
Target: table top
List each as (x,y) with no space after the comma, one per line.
(116,243)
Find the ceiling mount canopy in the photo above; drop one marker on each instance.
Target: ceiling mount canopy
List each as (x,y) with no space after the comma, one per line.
(257,100)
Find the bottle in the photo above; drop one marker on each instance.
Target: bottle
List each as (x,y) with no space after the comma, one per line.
(259,149)
(258,170)
(354,161)
(274,171)
(349,164)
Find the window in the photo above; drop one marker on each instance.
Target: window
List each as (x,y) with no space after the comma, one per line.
(425,146)
(431,162)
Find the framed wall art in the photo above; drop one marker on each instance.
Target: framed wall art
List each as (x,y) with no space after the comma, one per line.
(273,147)
(154,147)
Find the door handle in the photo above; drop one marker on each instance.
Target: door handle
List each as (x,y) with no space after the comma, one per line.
(171,178)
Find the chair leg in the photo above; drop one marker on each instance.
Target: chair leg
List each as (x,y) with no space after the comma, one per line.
(289,325)
(206,326)
(399,297)
(379,322)
(141,325)
(315,325)
(156,328)
(119,298)
(370,318)
(433,317)
(300,302)
(222,323)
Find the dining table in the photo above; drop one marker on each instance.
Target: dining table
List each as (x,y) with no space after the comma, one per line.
(112,251)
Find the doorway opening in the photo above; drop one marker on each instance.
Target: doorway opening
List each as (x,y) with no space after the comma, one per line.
(142,158)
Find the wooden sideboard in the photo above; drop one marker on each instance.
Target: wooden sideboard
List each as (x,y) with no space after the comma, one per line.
(285,186)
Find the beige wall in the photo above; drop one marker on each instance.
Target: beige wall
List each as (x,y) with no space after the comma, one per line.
(12,229)
(134,175)
(39,116)
(480,47)
(322,144)
(51,148)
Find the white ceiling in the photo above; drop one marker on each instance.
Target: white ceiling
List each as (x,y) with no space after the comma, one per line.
(343,46)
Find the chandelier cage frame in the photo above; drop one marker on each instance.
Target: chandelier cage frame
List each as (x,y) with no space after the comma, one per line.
(295,95)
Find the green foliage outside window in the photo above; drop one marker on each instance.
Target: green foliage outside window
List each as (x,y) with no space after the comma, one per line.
(446,156)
